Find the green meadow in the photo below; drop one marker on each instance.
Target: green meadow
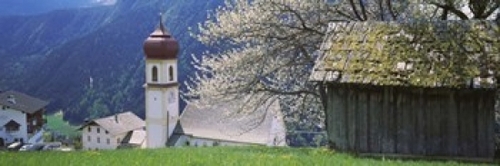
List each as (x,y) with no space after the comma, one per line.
(206,156)
(55,122)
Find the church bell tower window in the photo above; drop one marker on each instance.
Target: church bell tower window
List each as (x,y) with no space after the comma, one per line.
(154,74)
(171,73)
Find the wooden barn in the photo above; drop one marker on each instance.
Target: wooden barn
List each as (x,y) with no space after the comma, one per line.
(411,89)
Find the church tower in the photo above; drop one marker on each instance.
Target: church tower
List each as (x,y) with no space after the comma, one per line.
(161,88)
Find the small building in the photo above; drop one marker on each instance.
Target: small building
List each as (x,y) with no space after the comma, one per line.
(112,131)
(431,92)
(21,118)
(222,125)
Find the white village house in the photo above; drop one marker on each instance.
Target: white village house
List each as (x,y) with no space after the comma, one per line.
(123,129)
(21,118)
(197,126)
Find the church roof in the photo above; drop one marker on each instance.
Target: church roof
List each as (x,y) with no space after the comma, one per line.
(221,122)
(21,102)
(160,44)
(118,123)
(178,132)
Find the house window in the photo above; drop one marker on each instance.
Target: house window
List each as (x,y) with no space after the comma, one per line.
(154,74)
(98,140)
(171,73)
(107,141)
(107,132)
(88,138)
(118,140)
(12,126)
(89,129)
(11,129)
(98,130)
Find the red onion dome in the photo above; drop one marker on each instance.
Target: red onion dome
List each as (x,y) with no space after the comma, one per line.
(161,45)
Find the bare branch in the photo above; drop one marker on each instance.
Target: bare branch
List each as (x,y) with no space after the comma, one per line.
(355,10)
(391,10)
(450,8)
(363,9)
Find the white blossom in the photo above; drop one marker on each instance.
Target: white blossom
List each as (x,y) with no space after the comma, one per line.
(266,49)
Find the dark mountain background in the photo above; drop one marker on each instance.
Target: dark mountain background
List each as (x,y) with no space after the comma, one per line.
(52,51)
(31,7)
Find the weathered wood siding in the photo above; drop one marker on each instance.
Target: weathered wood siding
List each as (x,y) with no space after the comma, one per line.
(402,120)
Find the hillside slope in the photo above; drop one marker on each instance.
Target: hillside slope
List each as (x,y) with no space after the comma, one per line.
(32,7)
(54,55)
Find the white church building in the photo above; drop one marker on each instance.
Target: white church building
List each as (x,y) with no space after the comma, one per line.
(221,125)
(196,126)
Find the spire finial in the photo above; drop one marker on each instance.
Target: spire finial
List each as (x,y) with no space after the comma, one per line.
(162,28)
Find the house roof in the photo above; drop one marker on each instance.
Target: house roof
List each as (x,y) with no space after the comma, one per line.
(21,102)
(458,54)
(221,122)
(118,123)
(12,123)
(135,137)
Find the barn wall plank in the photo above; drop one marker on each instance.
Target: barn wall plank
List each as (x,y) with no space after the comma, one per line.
(351,120)
(466,125)
(428,125)
(410,108)
(434,121)
(489,120)
(391,120)
(471,126)
(342,120)
(443,122)
(404,125)
(399,119)
(362,120)
(420,125)
(375,121)
(462,108)
(384,124)
(450,139)
(486,121)
(332,107)
(383,120)
(482,127)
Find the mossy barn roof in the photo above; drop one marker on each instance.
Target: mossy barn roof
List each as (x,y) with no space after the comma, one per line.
(454,54)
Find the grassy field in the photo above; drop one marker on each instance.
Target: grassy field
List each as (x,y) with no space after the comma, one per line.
(55,122)
(204,156)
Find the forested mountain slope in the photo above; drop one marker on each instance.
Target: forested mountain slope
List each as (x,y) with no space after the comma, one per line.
(55,55)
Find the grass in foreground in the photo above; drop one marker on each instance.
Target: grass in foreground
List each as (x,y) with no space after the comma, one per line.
(204,156)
